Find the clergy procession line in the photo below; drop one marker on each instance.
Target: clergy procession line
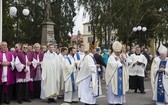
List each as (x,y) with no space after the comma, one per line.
(48,73)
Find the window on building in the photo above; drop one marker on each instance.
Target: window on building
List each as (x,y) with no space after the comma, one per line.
(90,39)
(89,28)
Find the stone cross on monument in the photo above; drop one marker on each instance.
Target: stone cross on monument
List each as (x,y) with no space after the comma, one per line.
(48,26)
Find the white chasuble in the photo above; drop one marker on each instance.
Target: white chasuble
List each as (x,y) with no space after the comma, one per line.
(50,74)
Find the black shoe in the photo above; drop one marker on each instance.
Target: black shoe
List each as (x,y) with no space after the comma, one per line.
(60,97)
(20,102)
(53,100)
(49,100)
(143,92)
(7,102)
(68,102)
(27,100)
(74,101)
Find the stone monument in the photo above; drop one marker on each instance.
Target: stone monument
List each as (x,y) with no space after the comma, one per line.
(48,26)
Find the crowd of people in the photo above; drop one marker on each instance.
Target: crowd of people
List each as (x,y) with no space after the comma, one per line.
(48,73)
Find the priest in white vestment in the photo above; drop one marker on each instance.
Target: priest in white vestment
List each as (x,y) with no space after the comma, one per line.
(89,78)
(70,72)
(50,74)
(78,59)
(116,76)
(62,56)
(159,77)
(137,67)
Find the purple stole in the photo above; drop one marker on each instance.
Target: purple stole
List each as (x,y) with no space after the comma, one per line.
(22,59)
(10,75)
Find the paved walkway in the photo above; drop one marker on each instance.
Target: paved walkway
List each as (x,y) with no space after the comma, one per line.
(131,98)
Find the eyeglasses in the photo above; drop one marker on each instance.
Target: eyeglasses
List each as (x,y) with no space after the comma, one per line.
(25,47)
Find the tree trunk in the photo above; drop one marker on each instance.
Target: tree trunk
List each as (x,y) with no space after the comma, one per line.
(109,34)
(105,30)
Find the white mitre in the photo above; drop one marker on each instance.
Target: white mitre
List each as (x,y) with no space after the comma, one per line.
(117,46)
(162,50)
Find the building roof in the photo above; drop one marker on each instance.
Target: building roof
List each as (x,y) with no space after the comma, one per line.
(76,37)
(86,23)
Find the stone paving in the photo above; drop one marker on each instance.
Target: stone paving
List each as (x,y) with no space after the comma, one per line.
(131,98)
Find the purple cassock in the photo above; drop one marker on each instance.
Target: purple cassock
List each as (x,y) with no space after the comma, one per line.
(10,75)
(40,54)
(22,58)
(39,57)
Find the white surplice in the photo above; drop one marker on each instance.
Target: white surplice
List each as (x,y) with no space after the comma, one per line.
(20,66)
(135,69)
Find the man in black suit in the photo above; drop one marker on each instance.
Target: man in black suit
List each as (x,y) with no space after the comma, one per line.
(99,60)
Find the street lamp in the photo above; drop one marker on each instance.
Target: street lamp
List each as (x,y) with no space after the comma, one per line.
(135,29)
(144,29)
(139,28)
(160,9)
(25,12)
(14,13)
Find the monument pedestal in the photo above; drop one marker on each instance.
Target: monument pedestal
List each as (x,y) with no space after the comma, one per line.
(48,33)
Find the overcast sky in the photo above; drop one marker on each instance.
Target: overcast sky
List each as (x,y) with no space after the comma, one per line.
(79,20)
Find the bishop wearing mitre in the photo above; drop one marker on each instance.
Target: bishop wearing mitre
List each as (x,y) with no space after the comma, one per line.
(116,76)
(159,77)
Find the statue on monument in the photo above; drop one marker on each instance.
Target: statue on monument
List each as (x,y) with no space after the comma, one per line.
(48,25)
(48,12)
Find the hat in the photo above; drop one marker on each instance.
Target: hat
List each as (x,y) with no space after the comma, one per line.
(92,46)
(97,49)
(162,49)
(117,46)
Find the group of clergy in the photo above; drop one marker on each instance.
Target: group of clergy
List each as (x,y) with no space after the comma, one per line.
(20,72)
(76,75)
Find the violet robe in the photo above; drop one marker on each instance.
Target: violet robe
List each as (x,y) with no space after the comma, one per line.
(21,64)
(10,76)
